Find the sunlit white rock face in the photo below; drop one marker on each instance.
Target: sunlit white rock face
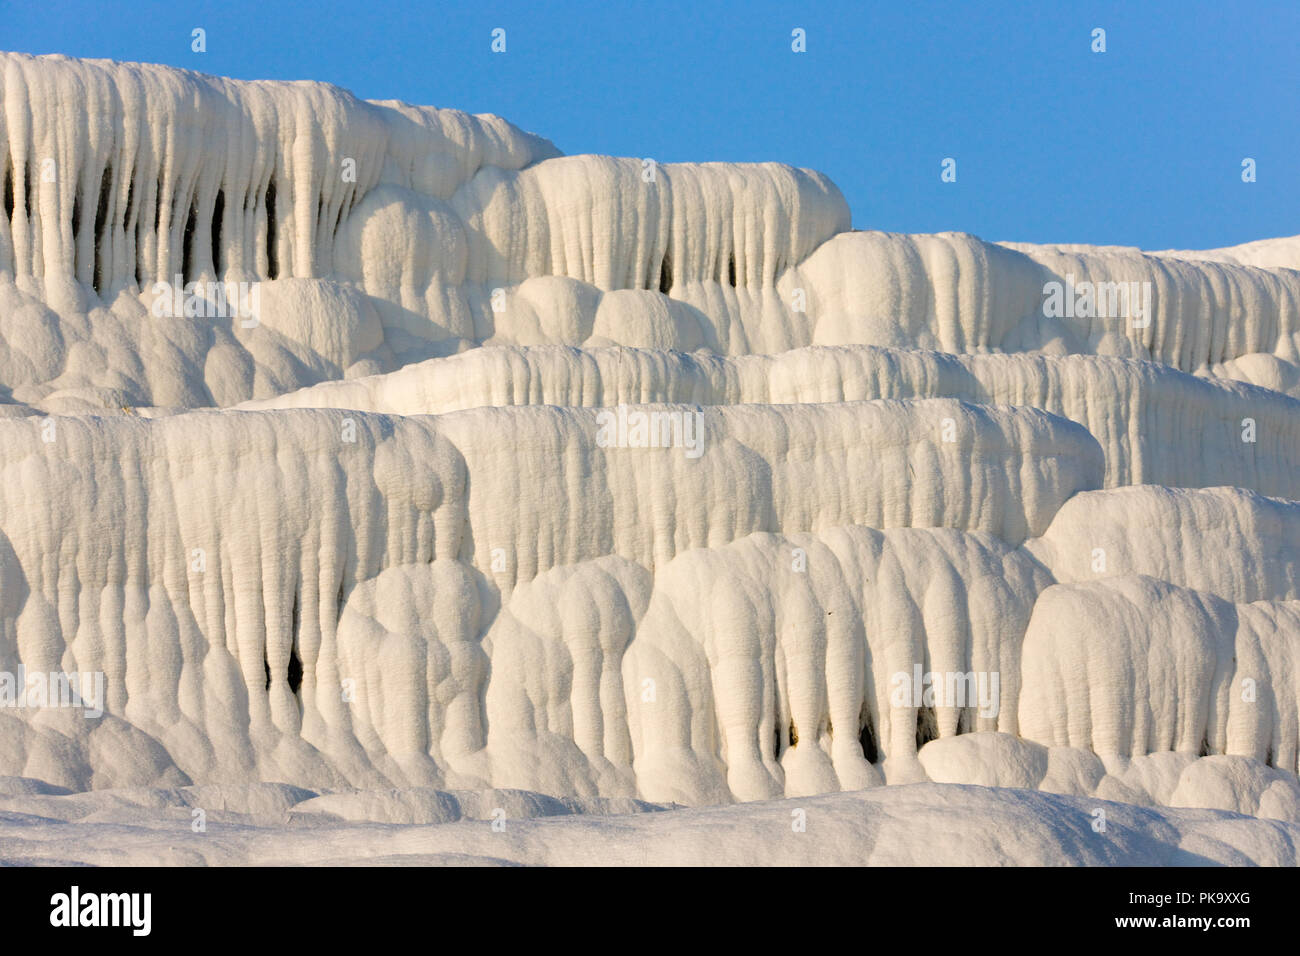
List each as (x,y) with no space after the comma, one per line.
(601,479)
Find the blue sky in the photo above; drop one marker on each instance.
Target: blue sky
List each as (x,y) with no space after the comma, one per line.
(1140,145)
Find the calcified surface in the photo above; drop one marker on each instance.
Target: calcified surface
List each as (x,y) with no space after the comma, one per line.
(367,553)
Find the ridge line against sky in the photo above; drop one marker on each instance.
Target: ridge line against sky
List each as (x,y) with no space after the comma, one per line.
(1141,145)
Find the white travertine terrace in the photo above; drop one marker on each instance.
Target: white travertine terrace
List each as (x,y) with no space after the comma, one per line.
(377,536)
(1155,424)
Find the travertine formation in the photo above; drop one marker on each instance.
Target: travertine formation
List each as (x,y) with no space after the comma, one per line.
(362,444)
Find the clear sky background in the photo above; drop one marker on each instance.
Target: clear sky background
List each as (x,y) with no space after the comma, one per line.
(1140,145)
